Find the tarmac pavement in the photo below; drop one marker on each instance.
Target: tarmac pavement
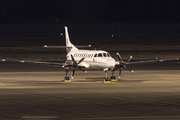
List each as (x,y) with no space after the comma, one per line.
(34,92)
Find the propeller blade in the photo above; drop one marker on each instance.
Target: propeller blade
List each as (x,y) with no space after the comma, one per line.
(73,73)
(122,64)
(74,62)
(119,57)
(130,57)
(120,72)
(72,58)
(127,68)
(80,60)
(81,69)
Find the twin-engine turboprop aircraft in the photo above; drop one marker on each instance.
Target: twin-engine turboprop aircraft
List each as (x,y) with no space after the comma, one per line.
(90,59)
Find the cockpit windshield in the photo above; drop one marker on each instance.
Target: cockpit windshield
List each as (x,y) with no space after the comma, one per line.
(108,55)
(102,55)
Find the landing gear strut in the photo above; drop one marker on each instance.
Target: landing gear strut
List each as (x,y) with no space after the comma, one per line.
(106,78)
(66,78)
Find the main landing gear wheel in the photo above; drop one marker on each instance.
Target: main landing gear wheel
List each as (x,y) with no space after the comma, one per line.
(66,78)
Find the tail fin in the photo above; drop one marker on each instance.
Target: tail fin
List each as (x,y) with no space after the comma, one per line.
(69,45)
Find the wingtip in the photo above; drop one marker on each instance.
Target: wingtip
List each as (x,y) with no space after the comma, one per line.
(22,61)
(45,46)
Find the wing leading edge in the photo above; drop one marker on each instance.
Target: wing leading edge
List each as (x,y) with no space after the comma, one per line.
(148,61)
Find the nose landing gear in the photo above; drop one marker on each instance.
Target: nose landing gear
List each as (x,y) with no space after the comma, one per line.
(106,78)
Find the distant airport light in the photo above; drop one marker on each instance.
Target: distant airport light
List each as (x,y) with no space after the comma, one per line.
(157,58)
(112,35)
(61,33)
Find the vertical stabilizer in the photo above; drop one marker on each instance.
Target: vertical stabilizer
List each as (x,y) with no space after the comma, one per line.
(69,45)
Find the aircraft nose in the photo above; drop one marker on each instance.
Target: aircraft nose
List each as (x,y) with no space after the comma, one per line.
(111,63)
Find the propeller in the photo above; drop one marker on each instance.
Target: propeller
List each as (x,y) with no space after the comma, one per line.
(122,64)
(75,65)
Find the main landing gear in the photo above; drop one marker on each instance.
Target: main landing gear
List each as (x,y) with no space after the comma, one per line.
(67,79)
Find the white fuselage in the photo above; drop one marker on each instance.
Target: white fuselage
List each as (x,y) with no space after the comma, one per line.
(93,59)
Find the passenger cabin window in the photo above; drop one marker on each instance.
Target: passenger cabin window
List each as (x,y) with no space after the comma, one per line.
(100,55)
(95,55)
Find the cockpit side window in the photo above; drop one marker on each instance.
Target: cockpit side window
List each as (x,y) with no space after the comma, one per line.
(104,54)
(100,55)
(108,55)
(95,55)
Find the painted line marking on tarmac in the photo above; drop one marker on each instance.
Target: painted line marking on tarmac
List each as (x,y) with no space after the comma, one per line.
(36,117)
(135,117)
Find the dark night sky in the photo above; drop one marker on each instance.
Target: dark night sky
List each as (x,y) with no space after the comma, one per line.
(90,10)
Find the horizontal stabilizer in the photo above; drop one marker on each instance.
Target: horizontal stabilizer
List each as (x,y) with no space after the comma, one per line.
(45,46)
(80,46)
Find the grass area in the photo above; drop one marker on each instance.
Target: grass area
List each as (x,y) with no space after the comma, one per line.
(29,47)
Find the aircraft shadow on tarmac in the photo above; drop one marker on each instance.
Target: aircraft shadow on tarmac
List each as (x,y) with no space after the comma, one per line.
(39,82)
(90,80)
(96,79)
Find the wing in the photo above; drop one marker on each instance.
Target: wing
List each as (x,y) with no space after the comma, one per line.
(23,61)
(120,64)
(148,61)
